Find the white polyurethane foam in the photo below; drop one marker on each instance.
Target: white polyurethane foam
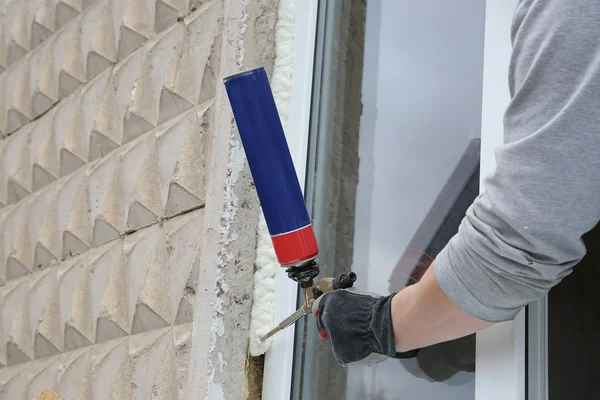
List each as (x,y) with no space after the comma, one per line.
(262,317)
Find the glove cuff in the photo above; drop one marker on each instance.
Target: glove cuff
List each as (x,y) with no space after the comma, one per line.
(383,330)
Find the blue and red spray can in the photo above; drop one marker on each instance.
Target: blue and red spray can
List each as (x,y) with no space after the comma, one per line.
(277,186)
(272,168)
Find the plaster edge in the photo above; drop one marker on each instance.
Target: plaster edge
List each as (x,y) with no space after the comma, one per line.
(222,312)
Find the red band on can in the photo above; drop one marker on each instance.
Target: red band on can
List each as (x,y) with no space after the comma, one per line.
(296,246)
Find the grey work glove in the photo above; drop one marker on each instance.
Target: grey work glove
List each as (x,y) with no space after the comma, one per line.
(358,327)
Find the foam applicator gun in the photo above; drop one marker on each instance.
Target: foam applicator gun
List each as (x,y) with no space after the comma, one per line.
(278,189)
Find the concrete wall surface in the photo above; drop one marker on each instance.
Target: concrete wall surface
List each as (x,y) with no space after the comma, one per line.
(127,216)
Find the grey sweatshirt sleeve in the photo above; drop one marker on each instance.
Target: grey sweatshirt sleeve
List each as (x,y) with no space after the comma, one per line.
(523,235)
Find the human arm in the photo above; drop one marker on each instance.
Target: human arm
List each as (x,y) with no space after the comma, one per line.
(522,236)
(365,328)
(422,315)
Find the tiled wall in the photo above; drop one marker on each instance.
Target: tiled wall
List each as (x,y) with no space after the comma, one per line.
(106,117)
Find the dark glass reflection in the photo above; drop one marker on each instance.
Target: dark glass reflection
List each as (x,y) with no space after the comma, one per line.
(574,329)
(441,362)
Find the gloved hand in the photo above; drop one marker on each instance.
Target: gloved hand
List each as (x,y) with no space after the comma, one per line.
(358,327)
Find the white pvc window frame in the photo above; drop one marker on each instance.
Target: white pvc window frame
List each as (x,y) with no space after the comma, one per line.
(501,349)
(277,379)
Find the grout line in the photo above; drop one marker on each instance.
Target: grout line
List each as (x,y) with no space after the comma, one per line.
(121,338)
(89,165)
(122,235)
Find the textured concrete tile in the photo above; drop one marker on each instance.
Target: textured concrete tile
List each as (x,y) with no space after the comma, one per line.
(145,104)
(41,374)
(125,77)
(74,303)
(148,279)
(66,10)
(43,228)
(135,24)
(107,130)
(18,43)
(106,201)
(16,102)
(69,137)
(44,315)
(18,250)
(110,370)
(177,91)
(17,167)
(74,376)
(43,24)
(141,179)
(183,236)
(180,153)
(98,39)
(154,365)
(182,335)
(109,301)
(3,200)
(68,59)
(170,139)
(4,212)
(73,215)
(44,152)
(43,83)
(14,294)
(203,27)
(13,383)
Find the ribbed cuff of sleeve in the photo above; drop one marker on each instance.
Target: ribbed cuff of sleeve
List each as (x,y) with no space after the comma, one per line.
(466,281)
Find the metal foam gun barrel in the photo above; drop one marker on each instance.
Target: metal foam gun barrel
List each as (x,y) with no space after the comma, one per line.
(272,168)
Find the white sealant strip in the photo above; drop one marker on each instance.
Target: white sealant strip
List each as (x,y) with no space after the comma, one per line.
(279,358)
(262,318)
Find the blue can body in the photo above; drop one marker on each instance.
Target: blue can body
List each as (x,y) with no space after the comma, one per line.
(271,165)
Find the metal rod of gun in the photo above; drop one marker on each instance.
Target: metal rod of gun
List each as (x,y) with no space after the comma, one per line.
(299,313)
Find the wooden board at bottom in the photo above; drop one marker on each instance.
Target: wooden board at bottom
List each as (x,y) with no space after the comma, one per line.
(46,394)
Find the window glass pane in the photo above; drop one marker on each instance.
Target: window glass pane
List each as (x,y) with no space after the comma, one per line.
(418,173)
